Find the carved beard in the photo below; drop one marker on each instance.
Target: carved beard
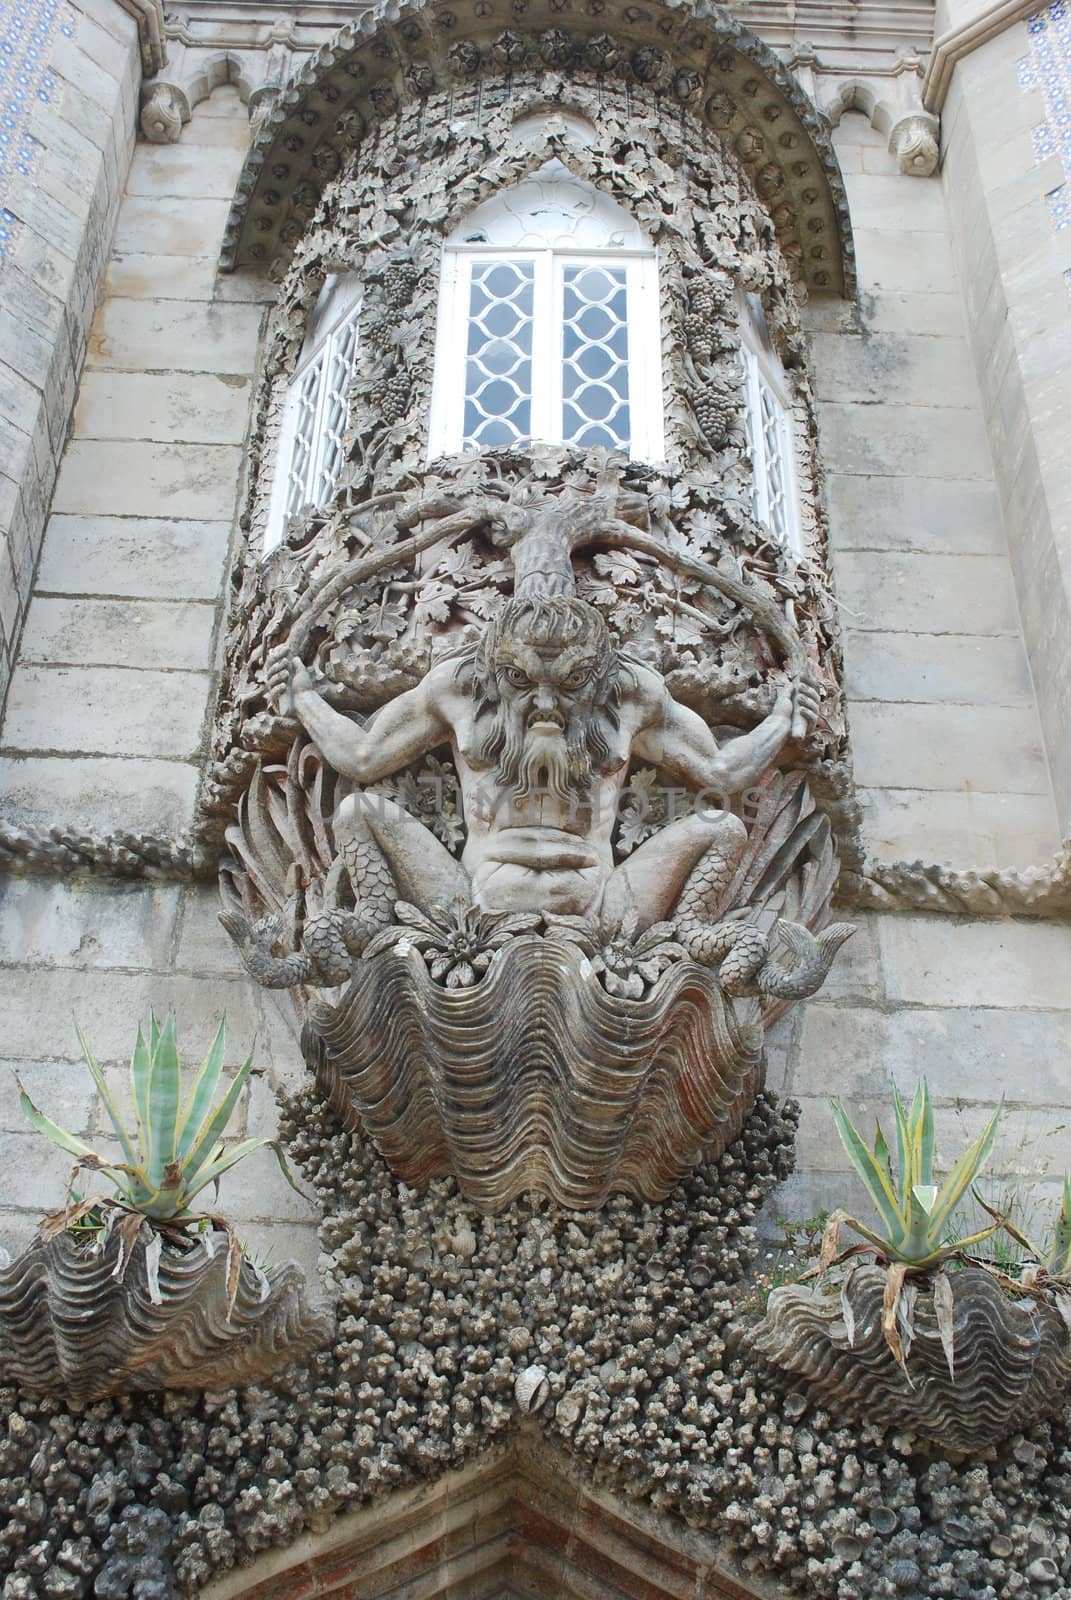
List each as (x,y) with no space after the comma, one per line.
(554,764)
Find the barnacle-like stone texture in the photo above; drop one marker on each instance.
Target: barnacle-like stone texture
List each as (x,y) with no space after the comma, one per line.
(1012,1359)
(537,1078)
(631,1312)
(67,1326)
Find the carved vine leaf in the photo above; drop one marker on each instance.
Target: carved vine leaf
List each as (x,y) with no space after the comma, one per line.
(431,792)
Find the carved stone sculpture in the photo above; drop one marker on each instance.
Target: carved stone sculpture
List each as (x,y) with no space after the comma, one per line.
(1011,1358)
(530,757)
(533,1013)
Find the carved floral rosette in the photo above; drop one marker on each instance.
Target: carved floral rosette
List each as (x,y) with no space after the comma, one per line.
(413,561)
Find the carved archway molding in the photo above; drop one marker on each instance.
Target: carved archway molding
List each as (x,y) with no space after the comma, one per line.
(695,55)
(519,1521)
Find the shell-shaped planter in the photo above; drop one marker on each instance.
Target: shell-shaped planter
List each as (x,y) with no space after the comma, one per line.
(68,1327)
(537,1078)
(1012,1359)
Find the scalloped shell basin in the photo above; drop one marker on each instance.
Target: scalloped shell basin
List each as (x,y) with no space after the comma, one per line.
(537,1078)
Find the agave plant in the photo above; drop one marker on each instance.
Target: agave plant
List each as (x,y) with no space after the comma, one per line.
(916,1213)
(1049,1267)
(175,1152)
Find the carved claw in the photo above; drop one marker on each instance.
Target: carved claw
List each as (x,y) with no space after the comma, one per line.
(330,942)
(255,945)
(809,969)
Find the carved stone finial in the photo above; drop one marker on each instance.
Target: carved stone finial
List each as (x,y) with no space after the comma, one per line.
(913,141)
(164,109)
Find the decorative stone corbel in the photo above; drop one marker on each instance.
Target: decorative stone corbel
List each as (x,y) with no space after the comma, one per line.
(915,133)
(276,72)
(164,109)
(914,143)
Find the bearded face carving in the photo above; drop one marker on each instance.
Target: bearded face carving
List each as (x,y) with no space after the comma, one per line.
(548,685)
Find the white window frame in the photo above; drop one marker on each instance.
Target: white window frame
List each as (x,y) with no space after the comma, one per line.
(322,345)
(763,373)
(643,321)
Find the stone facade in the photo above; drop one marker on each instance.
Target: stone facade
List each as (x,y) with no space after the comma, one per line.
(128,369)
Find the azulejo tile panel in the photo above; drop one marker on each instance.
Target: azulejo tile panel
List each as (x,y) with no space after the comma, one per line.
(1047,66)
(28,29)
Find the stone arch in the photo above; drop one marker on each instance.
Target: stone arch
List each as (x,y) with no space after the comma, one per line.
(215,70)
(697,58)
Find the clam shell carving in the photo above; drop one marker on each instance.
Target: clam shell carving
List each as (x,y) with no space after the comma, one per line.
(537,1078)
(1012,1359)
(68,1327)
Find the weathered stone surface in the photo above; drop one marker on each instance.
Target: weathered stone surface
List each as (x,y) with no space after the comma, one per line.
(957,668)
(92,793)
(192,408)
(121,633)
(913,441)
(48,923)
(893,369)
(144,227)
(109,478)
(61,1084)
(916,262)
(954,515)
(929,961)
(154,558)
(106,711)
(964,827)
(39,1001)
(922,593)
(965,1052)
(151,277)
(994,749)
(174,336)
(187,170)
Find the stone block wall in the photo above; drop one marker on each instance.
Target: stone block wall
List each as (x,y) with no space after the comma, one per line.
(948,750)
(1015,269)
(108,709)
(59,217)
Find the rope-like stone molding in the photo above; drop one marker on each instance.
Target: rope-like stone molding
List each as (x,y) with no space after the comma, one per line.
(1043,891)
(193,857)
(59,851)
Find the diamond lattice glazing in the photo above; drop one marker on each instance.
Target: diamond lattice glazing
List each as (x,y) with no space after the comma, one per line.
(595,401)
(498,368)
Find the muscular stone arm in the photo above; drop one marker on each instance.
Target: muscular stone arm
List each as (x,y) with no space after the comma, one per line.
(403,730)
(680,741)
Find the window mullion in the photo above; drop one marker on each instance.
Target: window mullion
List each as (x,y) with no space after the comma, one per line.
(316,454)
(546,349)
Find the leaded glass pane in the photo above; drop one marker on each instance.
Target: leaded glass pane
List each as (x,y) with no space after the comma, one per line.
(338,375)
(498,361)
(304,438)
(595,397)
(773,450)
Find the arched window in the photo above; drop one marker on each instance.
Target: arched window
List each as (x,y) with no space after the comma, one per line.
(548,324)
(317,406)
(768,419)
